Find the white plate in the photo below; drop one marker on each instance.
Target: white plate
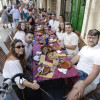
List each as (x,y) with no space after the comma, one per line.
(55,39)
(51,39)
(36,58)
(51,44)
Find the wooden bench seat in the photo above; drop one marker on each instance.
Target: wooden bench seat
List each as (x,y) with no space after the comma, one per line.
(2,58)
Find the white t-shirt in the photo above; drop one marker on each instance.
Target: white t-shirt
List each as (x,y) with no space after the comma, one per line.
(15,13)
(71,39)
(28,50)
(88,58)
(60,35)
(19,35)
(54,24)
(11,68)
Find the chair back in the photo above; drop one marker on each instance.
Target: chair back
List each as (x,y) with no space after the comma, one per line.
(7,42)
(2,58)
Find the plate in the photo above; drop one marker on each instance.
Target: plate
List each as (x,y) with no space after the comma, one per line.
(42,69)
(46,49)
(64,64)
(36,58)
(39,34)
(52,55)
(51,40)
(56,47)
(40,41)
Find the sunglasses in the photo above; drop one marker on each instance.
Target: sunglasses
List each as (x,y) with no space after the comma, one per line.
(18,47)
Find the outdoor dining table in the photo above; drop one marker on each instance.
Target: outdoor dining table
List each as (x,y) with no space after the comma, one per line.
(71,73)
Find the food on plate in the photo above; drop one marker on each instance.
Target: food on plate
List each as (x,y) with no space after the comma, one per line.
(46,49)
(56,47)
(64,64)
(42,69)
(52,55)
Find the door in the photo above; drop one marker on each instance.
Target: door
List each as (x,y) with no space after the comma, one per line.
(77,14)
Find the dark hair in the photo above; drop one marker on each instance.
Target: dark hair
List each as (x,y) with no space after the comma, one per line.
(12,52)
(54,14)
(19,26)
(33,22)
(62,17)
(30,10)
(29,32)
(60,27)
(94,32)
(4,7)
(12,48)
(68,23)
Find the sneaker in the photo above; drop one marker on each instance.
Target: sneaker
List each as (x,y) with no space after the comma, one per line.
(4,27)
(7,27)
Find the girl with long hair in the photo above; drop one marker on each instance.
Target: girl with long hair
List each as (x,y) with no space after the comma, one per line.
(20,32)
(14,65)
(60,31)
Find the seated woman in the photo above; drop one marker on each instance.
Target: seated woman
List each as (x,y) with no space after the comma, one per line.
(14,65)
(60,31)
(28,26)
(20,32)
(32,22)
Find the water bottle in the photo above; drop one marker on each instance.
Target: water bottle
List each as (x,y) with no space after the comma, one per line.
(47,40)
(33,42)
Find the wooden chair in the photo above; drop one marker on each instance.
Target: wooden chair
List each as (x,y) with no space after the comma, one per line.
(2,58)
(11,35)
(91,93)
(81,42)
(7,42)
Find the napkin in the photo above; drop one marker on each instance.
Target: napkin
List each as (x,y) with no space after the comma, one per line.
(48,63)
(55,62)
(42,58)
(58,51)
(62,70)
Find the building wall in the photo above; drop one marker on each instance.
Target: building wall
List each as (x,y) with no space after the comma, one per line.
(58,8)
(39,4)
(91,17)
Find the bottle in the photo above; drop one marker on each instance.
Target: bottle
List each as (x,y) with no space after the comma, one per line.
(47,40)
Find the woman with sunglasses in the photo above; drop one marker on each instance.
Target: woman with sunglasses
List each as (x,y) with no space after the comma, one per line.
(14,64)
(20,32)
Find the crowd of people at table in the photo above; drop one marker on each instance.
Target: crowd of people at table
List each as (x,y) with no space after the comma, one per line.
(20,54)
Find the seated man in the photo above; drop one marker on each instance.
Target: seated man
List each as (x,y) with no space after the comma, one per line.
(70,41)
(53,23)
(88,67)
(28,43)
(28,53)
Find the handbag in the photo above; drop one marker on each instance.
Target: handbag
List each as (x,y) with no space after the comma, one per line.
(10,18)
